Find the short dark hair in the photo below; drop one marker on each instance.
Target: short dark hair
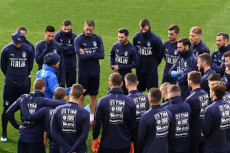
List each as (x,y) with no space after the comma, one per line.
(124,30)
(225,35)
(205,57)
(50,29)
(89,23)
(22,28)
(196,30)
(39,84)
(131,78)
(195,77)
(115,79)
(144,22)
(184,41)
(155,94)
(214,77)
(174,27)
(60,93)
(174,90)
(219,88)
(227,54)
(66,23)
(76,91)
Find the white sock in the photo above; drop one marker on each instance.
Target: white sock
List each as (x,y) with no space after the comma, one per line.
(91,117)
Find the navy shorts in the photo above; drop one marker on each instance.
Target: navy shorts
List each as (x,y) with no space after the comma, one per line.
(11,94)
(91,84)
(147,80)
(31,147)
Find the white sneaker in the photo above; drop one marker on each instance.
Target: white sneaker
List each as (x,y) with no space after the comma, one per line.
(3,139)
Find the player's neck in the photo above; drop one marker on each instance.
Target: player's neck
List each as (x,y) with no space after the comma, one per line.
(195,87)
(132,88)
(78,101)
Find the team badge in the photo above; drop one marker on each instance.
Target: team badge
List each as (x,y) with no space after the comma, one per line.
(222,58)
(197,53)
(126,53)
(185,64)
(175,52)
(148,44)
(94,43)
(24,54)
(55,50)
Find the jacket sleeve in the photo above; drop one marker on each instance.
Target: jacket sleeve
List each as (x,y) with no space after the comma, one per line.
(141,134)
(51,103)
(83,57)
(39,115)
(3,61)
(55,132)
(11,111)
(61,69)
(159,48)
(52,83)
(133,122)
(216,67)
(100,51)
(98,117)
(192,67)
(31,60)
(207,122)
(40,52)
(112,57)
(84,134)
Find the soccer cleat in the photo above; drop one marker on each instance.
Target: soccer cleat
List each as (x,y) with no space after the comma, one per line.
(91,123)
(3,139)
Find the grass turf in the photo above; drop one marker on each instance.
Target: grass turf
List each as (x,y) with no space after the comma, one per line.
(109,16)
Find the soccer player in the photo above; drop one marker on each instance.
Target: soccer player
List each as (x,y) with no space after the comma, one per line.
(218,55)
(226,77)
(123,56)
(140,100)
(204,66)
(48,73)
(216,122)
(171,53)
(185,64)
(117,113)
(16,64)
(45,114)
(149,47)
(217,77)
(65,37)
(164,92)
(90,50)
(198,101)
(70,123)
(154,127)
(197,45)
(49,45)
(181,113)
(30,138)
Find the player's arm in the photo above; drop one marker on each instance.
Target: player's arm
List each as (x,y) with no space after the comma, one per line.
(69,48)
(62,68)
(81,56)
(98,117)
(40,52)
(141,134)
(3,61)
(30,60)
(55,131)
(219,69)
(133,122)
(159,47)
(100,51)
(38,115)
(207,122)
(135,58)
(12,110)
(84,134)
(112,58)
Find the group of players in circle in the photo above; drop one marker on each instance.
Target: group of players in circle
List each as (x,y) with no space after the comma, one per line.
(193,118)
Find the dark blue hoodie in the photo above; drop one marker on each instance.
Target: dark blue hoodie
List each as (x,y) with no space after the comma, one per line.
(43,48)
(204,80)
(154,130)
(88,63)
(16,64)
(198,101)
(149,46)
(226,80)
(218,60)
(199,48)
(66,40)
(70,128)
(216,127)
(181,113)
(171,54)
(31,132)
(116,113)
(125,56)
(185,63)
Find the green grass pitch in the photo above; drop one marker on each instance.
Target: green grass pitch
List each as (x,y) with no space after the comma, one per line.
(212,15)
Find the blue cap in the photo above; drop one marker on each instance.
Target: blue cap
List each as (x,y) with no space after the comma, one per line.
(51,58)
(18,37)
